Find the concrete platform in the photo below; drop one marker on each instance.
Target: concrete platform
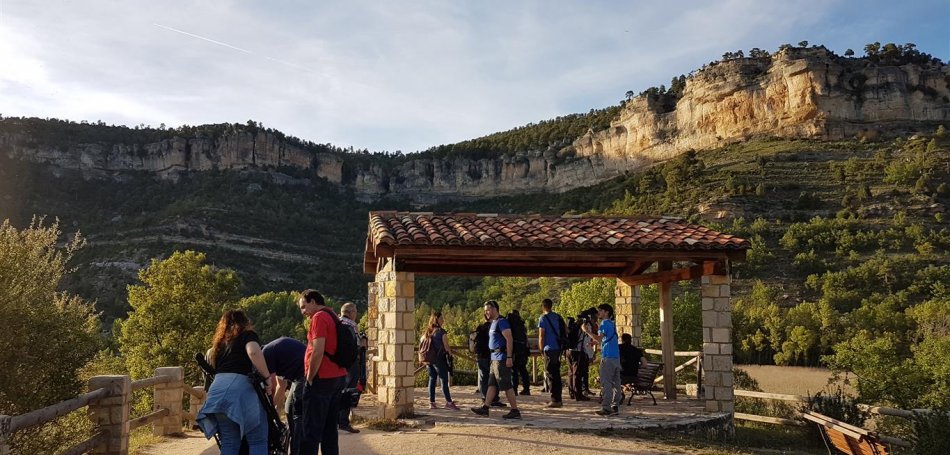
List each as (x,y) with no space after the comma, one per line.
(685,415)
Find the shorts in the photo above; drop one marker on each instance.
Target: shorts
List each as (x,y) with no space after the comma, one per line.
(499,375)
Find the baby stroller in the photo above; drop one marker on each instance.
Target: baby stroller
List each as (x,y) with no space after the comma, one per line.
(278,436)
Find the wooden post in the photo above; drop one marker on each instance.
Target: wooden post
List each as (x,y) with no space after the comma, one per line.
(5,434)
(666,334)
(112,414)
(169,396)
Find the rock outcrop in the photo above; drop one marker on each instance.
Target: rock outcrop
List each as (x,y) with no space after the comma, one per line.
(796,93)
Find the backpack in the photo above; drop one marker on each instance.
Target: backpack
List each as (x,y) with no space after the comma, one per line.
(346,345)
(427,352)
(560,332)
(473,341)
(573,335)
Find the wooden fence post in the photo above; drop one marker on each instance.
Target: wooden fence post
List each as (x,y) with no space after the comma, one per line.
(111,414)
(169,396)
(5,434)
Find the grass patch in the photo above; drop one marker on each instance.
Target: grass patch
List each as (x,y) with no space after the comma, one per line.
(385,424)
(142,437)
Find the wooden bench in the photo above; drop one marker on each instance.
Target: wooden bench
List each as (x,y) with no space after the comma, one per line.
(846,438)
(643,383)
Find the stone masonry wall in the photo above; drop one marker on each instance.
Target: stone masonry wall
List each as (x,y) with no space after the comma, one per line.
(627,309)
(396,342)
(717,344)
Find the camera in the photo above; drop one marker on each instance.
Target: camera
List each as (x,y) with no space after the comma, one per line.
(588,316)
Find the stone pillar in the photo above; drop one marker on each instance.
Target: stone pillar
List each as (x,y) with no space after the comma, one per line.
(627,307)
(372,327)
(194,405)
(169,396)
(111,414)
(396,332)
(717,344)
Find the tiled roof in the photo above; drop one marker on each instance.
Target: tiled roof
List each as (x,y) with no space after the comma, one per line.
(532,231)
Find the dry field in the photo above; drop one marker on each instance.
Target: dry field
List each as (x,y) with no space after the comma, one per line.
(792,380)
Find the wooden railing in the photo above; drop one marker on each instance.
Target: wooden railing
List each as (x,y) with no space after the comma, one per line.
(109,402)
(797,399)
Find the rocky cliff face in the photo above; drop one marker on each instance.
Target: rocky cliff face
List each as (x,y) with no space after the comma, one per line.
(797,93)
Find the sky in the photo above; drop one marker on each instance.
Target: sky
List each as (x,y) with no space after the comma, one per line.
(395,75)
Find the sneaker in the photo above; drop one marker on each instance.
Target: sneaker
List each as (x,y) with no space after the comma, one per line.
(498,404)
(614,410)
(350,429)
(554,404)
(452,406)
(481,410)
(603,412)
(583,398)
(432,405)
(512,414)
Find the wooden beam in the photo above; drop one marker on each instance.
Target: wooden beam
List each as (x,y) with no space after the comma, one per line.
(674,275)
(570,254)
(666,333)
(636,268)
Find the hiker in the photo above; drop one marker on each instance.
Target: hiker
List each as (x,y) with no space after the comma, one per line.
(354,374)
(435,351)
(483,357)
(519,335)
(578,359)
(325,378)
(499,375)
(232,408)
(551,329)
(284,357)
(631,359)
(609,360)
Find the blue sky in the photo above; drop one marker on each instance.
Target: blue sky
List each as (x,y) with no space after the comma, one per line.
(390,75)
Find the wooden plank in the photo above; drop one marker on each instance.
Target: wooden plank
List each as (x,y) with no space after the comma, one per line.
(149,382)
(767,419)
(88,445)
(768,396)
(674,275)
(148,418)
(666,333)
(678,369)
(197,392)
(636,268)
(675,353)
(41,416)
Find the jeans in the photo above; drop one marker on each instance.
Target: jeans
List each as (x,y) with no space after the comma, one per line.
(552,370)
(440,370)
(519,372)
(229,433)
(610,381)
(352,377)
(578,372)
(321,408)
(294,410)
(483,367)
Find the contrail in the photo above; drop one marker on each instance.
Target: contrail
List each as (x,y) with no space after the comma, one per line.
(219,43)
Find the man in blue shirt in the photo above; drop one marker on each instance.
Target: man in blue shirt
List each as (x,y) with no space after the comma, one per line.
(284,358)
(499,375)
(609,360)
(549,334)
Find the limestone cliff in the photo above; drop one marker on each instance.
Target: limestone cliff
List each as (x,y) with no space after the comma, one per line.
(796,93)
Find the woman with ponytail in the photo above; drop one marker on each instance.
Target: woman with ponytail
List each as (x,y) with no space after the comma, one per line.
(232,409)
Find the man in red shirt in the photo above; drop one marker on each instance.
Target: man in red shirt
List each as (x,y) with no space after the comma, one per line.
(325,379)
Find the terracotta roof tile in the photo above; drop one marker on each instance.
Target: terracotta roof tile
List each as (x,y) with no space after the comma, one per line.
(520,231)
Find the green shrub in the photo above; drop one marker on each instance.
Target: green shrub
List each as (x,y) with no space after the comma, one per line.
(931,434)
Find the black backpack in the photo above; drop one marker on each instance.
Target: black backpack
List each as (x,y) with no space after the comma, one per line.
(560,332)
(346,346)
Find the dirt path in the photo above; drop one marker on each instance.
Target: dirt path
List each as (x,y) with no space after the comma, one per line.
(455,441)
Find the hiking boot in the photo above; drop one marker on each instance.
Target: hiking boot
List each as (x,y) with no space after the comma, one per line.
(349,429)
(432,405)
(604,412)
(498,404)
(452,406)
(525,392)
(614,410)
(481,410)
(583,398)
(554,404)
(512,414)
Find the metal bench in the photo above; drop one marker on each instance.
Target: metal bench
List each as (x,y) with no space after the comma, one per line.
(846,438)
(643,383)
